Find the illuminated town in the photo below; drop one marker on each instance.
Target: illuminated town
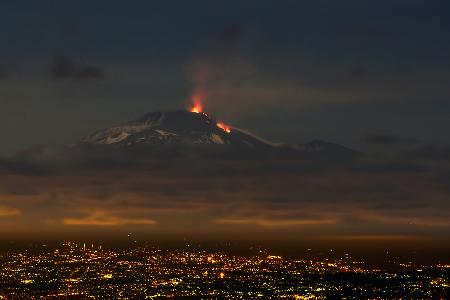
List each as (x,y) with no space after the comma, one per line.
(82,271)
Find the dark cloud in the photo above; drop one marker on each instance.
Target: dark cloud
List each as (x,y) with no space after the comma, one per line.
(9,166)
(358,72)
(443,177)
(94,187)
(90,72)
(405,69)
(3,72)
(364,30)
(69,28)
(388,139)
(390,167)
(63,67)
(230,34)
(18,188)
(430,152)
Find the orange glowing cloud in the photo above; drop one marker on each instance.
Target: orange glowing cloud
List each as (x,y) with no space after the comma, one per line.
(375,237)
(104,218)
(6,211)
(265,222)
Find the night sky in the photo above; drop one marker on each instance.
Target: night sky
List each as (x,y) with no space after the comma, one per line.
(370,75)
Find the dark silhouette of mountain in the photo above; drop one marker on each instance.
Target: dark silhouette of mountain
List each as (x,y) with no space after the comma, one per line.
(179,127)
(173,134)
(182,128)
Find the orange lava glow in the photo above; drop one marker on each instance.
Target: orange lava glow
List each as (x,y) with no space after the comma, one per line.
(224,127)
(197,108)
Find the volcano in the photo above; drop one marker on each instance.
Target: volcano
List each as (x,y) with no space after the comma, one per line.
(179,127)
(196,130)
(177,134)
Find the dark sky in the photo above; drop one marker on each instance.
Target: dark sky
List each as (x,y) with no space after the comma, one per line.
(290,71)
(371,75)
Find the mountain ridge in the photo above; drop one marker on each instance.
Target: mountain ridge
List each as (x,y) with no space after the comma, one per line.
(174,127)
(197,129)
(177,134)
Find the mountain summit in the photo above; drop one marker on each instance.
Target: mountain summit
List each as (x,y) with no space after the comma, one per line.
(194,129)
(179,127)
(176,134)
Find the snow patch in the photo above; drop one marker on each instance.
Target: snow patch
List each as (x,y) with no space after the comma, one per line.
(116,139)
(164,133)
(115,134)
(217,139)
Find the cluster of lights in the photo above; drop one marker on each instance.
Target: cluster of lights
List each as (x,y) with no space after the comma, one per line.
(75,270)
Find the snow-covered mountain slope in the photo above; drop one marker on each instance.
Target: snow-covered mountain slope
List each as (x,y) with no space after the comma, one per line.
(172,128)
(180,129)
(177,134)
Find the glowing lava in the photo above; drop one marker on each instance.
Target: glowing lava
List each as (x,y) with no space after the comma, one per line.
(196,109)
(224,127)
